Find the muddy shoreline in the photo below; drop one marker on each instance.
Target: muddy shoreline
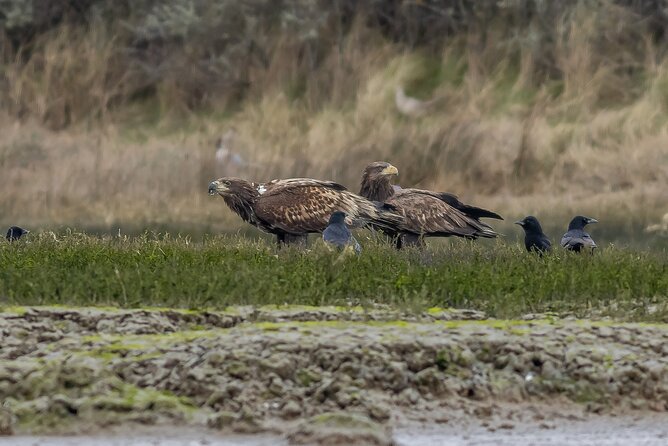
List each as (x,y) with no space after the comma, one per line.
(296,372)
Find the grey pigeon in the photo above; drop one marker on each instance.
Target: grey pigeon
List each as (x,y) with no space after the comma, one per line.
(337,233)
(15,233)
(534,238)
(575,239)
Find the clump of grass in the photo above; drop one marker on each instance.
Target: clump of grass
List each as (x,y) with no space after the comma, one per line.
(500,279)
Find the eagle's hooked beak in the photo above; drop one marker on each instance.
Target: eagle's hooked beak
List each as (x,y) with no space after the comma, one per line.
(390,170)
(216,187)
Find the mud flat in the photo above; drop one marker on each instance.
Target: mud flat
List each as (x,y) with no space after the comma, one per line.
(307,375)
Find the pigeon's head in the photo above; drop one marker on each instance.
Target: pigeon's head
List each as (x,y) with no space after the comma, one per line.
(580,222)
(337,217)
(15,233)
(530,224)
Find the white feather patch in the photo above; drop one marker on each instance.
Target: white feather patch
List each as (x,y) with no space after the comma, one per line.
(262,189)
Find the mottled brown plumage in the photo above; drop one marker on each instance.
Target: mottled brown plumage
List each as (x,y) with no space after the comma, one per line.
(426,213)
(293,208)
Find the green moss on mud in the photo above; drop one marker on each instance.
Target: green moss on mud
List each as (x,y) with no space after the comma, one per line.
(102,405)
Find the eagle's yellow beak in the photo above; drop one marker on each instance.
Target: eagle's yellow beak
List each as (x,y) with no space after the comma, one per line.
(216,187)
(390,170)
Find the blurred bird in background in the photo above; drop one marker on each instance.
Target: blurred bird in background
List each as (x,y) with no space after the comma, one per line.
(659,228)
(409,106)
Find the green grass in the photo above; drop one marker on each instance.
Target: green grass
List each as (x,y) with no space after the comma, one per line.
(498,278)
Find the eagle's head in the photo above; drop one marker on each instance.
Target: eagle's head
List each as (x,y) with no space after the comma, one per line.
(230,186)
(376,181)
(378,170)
(239,195)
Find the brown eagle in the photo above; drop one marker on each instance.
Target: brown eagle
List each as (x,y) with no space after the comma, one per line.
(427,213)
(293,208)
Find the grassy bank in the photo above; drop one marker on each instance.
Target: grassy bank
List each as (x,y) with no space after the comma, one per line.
(500,279)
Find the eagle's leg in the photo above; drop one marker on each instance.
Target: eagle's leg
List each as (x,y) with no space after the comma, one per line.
(384,235)
(410,240)
(285,239)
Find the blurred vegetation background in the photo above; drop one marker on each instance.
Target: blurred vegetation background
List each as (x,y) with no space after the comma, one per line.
(120,113)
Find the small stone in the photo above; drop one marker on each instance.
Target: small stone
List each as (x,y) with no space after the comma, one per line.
(395,376)
(276,386)
(605,332)
(238,369)
(483,411)
(216,399)
(379,412)
(291,409)
(465,358)
(639,404)
(106,326)
(307,377)
(500,362)
(6,422)
(339,428)
(280,365)
(215,358)
(247,423)
(327,390)
(409,396)
(418,361)
(233,389)
(430,379)
(221,420)
(343,399)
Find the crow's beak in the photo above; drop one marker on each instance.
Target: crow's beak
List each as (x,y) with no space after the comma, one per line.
(390,170)
(591,220)
(521,223)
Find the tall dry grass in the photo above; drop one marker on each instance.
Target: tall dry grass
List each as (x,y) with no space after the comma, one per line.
(550,123)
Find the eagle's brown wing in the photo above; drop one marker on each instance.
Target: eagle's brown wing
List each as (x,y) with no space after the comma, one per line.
(302,205)
(275,187)
(427,214)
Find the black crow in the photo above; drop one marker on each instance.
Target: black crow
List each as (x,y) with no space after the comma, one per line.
(534,238)
(337,233)
(576,238)
(15,233)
